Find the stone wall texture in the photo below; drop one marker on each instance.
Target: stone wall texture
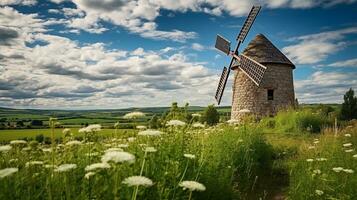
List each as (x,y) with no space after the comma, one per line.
(247,95)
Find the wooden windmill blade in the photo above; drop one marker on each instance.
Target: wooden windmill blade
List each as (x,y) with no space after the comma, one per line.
(248,23)
(222,84)
(254,70)
(223,44)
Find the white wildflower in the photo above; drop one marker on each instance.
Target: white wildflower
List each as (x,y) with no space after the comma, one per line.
(90,128)
(66,131)
(316,171)
(349,171)
(92,154)
(96,166)
(141,127)
(311,147)
(347,145)
(337,169)
(309,160)
(316,142)
(5,148)
(118,157)
(150,149)
(321,159)
(175,122)
(196,115)
(319,192)
(73,143)
(46,149)
(150,133)
(131,139)
(354,156)
(347,135)
(8,172)
(123,145)
(198,125)
(113,149)
(32,163)
(65,167)
(349,150)
(233,121)
(192,186)
(138,181)
(89,174)
(50,166)
(116,125)
(189,156)
(26,149)
(134,115)
(17,142)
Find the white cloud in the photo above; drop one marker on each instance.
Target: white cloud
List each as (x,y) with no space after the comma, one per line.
(345,63)
(314,48)
(197,47)
(61,72)
(325,87)
(18,2)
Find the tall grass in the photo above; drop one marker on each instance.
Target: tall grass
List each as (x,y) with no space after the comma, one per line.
(297,121)
(226,160)
(326,169)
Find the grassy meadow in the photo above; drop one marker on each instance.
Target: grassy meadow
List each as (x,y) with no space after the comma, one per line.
(298,154)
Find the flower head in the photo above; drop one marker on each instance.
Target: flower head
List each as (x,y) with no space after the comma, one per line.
(118,157)
(32,163)
(18,142)
(91,128)
(89,174)
(319,192)
(189,156)
(73,143)
(349,171)
(65,167)
(141,127)
(198,125)
(8,172)
(196,115)
(337,169)
(349,150)
(113,149)
(134,115)
(192,186)
(309,160)
(66,131)
(150,149)
(138,181)
(347,135)
(347,145)
(117,125)
(175,122)
(96,166)
(5,148)
(150,133)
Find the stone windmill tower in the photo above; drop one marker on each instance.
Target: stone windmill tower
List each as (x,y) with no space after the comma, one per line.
(263,80)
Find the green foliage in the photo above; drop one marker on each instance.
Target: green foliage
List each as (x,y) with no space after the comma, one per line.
(40,138)
(349,106)
(210,115)
(154,122)
(223,157)
(297,121)
(176,112)
(308,177)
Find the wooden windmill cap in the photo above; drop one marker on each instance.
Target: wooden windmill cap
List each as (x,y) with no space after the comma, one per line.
(264,52)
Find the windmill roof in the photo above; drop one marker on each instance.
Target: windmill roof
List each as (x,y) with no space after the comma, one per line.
(263,51)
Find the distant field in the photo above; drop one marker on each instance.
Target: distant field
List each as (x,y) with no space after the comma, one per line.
(6,135)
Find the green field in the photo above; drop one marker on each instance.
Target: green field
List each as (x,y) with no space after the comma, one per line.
(7,135)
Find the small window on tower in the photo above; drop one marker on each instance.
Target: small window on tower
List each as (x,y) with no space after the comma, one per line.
(270,94)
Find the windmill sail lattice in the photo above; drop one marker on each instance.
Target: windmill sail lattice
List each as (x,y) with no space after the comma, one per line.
(253,69)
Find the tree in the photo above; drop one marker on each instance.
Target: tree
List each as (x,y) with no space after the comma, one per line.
(210,115)
(349,106)
(154,122)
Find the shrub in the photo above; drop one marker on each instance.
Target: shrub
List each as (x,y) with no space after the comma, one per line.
(210,115)
(39,138)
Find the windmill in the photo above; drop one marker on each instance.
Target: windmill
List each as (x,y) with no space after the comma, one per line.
(253,69)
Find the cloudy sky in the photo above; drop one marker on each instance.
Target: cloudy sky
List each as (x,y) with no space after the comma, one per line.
(84,54)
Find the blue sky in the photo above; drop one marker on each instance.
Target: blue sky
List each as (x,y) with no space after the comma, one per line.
(117,53)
